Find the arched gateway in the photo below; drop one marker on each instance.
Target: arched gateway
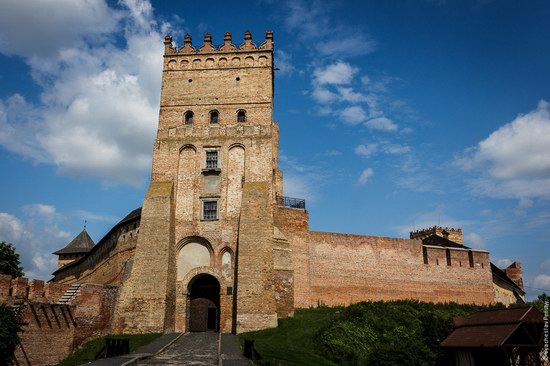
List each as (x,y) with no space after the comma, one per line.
(204,303)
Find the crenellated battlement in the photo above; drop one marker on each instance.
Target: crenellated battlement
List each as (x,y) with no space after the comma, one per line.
(450,233)
(227,46)
(21,289)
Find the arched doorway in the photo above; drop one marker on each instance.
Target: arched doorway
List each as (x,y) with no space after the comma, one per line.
(204,306)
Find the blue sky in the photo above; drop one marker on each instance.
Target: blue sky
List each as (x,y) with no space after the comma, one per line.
(394,115)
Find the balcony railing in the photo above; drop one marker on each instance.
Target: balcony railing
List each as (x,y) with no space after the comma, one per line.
(291,202)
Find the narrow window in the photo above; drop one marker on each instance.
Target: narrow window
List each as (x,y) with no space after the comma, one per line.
(210,210)
(188,118)
(211,160)
(241,116)
(425,254)
(214,117)
(471,258)
(448,252)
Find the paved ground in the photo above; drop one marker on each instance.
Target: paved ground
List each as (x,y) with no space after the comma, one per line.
(189,349)
(183,349)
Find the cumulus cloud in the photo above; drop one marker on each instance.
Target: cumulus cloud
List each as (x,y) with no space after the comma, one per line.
(381,124)
(32,30)
(365,176)
(11,228)
(503,263)
(514,161)
(39,209)
(474,239)
(313,24)
(396,149)
(366,150)
(283,62)
(99,70)
(337,73)
(323,95)
(353,115)
(542,281)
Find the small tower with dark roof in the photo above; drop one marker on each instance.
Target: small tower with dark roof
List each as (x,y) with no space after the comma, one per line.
(76,249)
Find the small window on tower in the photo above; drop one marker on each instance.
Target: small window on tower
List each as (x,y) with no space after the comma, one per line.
(211,159)
(241,116)
(214,117)
(210,210)
(188,118)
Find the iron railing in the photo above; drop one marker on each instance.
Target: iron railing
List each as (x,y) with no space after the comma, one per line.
(291,202)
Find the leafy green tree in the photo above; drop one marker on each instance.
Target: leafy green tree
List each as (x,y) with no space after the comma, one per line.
(11,321)
(9,260)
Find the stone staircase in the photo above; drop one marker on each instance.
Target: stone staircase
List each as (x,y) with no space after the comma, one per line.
(70,294)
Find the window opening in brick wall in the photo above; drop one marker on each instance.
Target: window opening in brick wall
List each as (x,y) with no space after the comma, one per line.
(241,116)
(425,254)
(210,210)
(471,258)
(214,117)
(188,117)
(448,254)
(211,159)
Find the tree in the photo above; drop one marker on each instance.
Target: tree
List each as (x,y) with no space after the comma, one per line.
(11,321)
(9,260)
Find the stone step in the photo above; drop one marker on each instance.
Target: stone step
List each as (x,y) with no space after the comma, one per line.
(70,294)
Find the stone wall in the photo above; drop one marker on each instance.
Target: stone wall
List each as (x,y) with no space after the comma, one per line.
(256,307)
(339,269)
(148,297)
(52,331)
(107,262)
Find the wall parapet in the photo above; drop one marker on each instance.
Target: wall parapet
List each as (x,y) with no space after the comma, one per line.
(227,46)
(21,289)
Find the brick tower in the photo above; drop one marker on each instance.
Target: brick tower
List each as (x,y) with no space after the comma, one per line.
(204,256)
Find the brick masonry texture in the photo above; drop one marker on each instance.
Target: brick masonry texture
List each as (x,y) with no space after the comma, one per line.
(52,330)
(273,263)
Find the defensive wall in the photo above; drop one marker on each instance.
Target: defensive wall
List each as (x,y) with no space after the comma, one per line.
(340,269)
(53,330)
(107,261)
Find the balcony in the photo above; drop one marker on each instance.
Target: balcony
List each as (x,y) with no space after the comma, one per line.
(291,202)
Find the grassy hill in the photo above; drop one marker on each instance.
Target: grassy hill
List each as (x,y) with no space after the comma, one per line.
(366,333)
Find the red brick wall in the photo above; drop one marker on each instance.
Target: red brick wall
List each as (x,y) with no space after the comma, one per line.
(349,268)
(52,331)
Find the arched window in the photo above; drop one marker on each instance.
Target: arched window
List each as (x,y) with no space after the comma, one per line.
(188,118)
(214,117)
(241,116)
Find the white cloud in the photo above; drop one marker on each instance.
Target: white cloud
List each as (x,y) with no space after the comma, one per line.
(366,150)
(382,124)
(353,115)
(99,104)
(313,24)
(337,73)
(298,186)
(365,80)
(39,209)
(349,95)
(542,281)
(11,228)
(514,161)
(396,149)
(503,263)
(474,239)
(365,176)
(283,62)
(36,28)
(354,44)
(323,95)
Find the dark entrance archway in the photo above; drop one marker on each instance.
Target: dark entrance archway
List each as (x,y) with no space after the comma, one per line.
(204,307)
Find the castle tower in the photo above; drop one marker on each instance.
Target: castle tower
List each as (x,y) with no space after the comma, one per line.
(445,232)
(75,250)
(204,256)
